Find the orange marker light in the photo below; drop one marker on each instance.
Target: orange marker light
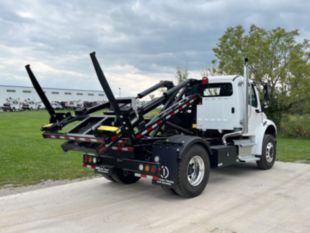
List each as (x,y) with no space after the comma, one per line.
(147,168)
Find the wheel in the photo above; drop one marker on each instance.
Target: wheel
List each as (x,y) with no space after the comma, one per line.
(268,153)
(168,190)
(123,177)
(108,177)
(193,172)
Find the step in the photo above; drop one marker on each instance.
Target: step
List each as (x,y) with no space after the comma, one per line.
(248,158)
(244,143)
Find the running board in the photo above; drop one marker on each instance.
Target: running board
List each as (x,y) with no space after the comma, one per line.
(244,143)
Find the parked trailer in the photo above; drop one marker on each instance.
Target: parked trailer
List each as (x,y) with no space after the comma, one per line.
(202,124)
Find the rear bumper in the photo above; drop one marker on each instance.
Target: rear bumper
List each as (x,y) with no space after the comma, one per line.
(143,169)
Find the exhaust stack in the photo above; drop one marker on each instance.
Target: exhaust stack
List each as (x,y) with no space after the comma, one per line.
(246,91)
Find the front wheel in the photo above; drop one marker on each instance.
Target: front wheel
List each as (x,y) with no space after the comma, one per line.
(268,153)
(193,172)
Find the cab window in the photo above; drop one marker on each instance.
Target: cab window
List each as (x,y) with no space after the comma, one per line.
(217,90)
(252,96)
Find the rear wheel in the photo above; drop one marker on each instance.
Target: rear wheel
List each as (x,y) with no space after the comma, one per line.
(123,177)
(268,153)
(168,190)
(193,172)
(108,177)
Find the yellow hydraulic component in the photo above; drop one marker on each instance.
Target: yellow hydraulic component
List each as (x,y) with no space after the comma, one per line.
(194,126)
(47,126)
(109,128)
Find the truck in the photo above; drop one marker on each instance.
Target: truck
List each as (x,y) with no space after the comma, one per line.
(30,105)
(198,125)
(12,105)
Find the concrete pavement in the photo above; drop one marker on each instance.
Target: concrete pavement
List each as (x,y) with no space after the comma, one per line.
(240,199)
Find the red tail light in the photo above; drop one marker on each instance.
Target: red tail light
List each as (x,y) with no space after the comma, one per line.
(205,80)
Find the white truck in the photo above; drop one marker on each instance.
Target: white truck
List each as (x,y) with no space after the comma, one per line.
(12,105)
(201,124)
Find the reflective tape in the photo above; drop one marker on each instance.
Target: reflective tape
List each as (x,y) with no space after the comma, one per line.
(149,177)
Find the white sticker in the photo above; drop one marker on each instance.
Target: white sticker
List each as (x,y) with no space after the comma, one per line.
(164,172)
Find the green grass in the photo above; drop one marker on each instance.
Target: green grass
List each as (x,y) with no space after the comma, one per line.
(295,125)
(293,149)
(27,158)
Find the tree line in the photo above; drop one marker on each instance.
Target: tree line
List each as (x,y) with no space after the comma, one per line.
(278,58)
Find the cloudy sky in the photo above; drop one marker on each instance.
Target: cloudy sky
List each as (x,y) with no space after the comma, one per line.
(137,42)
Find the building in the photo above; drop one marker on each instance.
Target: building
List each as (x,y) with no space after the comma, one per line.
(22,93)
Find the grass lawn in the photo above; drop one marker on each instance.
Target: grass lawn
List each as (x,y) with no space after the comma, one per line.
(293,149)
(27,158)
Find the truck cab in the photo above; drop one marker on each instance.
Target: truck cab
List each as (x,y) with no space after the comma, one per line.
(238,120)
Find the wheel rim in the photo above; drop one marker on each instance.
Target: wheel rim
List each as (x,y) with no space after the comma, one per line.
(195,170)
(269,152)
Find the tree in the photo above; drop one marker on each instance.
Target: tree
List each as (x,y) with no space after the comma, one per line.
(181,74)
(278,59)
(211,70)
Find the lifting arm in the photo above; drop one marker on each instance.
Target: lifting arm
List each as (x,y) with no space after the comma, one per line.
(167,84)
(40,92)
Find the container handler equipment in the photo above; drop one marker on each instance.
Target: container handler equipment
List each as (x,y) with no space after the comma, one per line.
(201,124)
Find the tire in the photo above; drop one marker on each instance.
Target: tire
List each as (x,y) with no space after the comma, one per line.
(190,184)
(268,153)
(168,190)
(123,177)
(108,177)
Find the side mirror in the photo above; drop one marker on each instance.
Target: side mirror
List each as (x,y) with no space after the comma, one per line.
(266,95)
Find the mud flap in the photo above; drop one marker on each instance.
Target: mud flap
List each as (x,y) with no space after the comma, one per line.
(168,154)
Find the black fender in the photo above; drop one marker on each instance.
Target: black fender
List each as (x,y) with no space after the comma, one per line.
(170,152)
(185,142)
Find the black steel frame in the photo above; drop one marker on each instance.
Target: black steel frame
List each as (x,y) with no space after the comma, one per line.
(135,128)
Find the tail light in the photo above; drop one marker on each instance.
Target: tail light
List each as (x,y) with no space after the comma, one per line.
(205,80)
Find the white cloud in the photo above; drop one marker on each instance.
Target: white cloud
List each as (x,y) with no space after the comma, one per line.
(138,43)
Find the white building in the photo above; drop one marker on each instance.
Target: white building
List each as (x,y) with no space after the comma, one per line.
(21,93)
